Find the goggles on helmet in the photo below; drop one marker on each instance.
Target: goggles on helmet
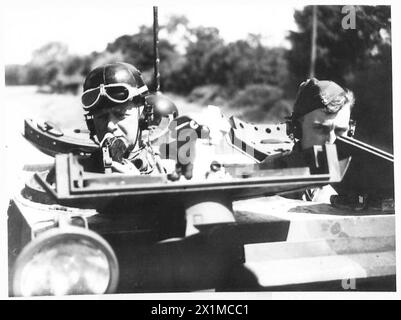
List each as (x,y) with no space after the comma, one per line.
(115,92)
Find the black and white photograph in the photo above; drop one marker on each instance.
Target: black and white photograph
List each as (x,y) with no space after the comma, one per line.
(183,148)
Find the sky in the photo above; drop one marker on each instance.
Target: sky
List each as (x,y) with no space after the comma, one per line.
(87,26)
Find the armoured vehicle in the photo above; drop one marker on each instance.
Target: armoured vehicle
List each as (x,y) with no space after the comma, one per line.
(71,231)
(103,233)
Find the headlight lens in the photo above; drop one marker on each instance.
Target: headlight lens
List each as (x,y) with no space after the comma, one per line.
(65,262)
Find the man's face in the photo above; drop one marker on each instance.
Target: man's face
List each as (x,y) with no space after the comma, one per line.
(319,127)
(121,120)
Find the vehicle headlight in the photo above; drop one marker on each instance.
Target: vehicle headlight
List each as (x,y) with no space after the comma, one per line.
(66,261)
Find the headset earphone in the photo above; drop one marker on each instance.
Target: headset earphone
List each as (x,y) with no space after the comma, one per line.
(146,116)
(91,127)
(293,128)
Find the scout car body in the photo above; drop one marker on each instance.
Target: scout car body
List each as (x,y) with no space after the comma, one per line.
(91,233)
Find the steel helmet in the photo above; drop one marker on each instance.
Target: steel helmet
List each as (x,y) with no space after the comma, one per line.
(112,84)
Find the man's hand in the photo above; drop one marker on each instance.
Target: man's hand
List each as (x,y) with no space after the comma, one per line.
(184,131)
(125,167)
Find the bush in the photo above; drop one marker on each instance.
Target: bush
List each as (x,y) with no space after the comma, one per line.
(280,111)
(208,94)
(261,103)
(15,75)
(257,95)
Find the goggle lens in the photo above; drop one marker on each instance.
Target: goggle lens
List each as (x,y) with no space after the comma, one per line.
(117,93)
(89,97)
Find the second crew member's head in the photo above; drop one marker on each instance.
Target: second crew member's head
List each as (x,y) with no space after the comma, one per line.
(322,112)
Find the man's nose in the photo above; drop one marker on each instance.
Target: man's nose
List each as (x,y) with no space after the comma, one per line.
(111,126)
(331,137)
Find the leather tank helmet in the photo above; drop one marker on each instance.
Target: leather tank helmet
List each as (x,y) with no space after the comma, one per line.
(157,105)
(108,86)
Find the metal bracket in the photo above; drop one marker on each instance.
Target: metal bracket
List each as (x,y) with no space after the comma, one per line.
(61,220)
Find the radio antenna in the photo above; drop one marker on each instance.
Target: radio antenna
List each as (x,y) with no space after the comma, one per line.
(156,49)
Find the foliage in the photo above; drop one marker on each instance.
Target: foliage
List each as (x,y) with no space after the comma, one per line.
(208,94)
(373,110)
(208,60)
(257,94)
(197,67)
(138,50)
(260,103)
(339,51)
(15,75)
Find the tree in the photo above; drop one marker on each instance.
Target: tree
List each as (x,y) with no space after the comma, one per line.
(137,49)
(46,63)
(339,51)
(14,75)
(50,52)
(209,60)
(248,62)
(198,67)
